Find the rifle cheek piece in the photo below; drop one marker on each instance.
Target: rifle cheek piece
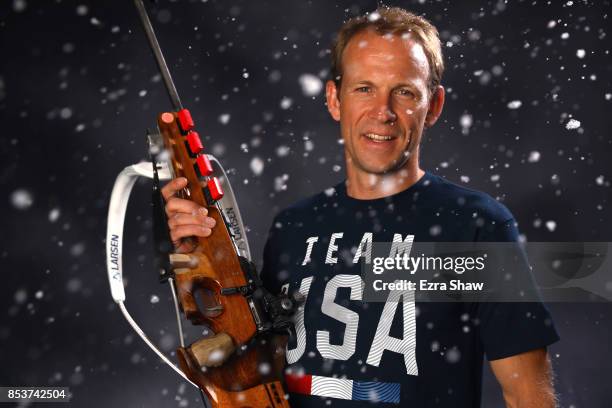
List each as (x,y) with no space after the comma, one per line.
(212,351)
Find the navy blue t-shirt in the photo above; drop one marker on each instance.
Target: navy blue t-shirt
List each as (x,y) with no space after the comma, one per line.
(346,352)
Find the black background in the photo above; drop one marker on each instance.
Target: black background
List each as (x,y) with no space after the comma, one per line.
(78,87)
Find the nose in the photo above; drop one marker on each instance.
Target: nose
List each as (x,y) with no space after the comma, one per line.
(382,110)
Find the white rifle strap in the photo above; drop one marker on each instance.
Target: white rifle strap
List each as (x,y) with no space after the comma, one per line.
(114,242)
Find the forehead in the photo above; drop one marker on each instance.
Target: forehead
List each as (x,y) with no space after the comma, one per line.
(394,56)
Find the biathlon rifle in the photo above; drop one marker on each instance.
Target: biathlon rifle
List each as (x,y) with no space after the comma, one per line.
(216,285)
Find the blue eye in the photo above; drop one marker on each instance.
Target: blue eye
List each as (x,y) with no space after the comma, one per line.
(364,89)
(405,92)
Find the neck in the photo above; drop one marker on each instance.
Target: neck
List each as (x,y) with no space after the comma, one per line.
(363,185)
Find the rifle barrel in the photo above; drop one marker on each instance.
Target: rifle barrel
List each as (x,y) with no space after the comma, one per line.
(159,57)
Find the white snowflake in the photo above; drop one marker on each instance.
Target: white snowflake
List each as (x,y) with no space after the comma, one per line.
(534,156)
(514,104)
(282,151)
(19,5)
(82,10)
(54,214)
(257,165)
(280,183)
(286,103)
(22,199)
(224,118)
(311,84)
(466,120)
(572,124)
(374,16)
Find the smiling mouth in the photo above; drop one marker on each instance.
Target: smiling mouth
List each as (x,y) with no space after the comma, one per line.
(379,138)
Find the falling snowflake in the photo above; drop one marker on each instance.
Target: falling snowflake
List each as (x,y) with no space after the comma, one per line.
(534,156)
(19,5)
(374,16)
(82,10)
(224,118)
(264,368)
(572,124)
(453,356)
(435,230)
(286,103)
(22,199)
(282,151)
(54,214)
(77,249)
(66,113)
(514,104)
(311,84)
(466,120)
(280,183)
(257,165)
(21,296)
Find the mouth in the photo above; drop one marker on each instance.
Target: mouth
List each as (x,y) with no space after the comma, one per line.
(379,138)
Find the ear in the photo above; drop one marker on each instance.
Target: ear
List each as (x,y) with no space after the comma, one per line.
(436,103)
(333,103)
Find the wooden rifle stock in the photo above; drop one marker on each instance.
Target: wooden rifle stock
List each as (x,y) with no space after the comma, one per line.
(246,366)
(239,365)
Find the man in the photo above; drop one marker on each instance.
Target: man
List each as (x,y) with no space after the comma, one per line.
(385,91)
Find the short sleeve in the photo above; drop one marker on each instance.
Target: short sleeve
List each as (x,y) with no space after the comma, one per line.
(511,328)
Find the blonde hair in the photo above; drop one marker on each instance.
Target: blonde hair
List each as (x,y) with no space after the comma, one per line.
(396,21)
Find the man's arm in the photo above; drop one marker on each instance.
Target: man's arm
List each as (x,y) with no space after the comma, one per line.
(526,380)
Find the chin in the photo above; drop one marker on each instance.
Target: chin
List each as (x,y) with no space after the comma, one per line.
(383,167)
(379,169)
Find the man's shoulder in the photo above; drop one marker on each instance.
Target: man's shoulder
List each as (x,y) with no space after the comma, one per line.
(454,197)
(309,206)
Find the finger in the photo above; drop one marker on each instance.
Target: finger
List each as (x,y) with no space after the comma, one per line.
(185,245)
(191,230)
(173,186)
(199,218)
(179,205)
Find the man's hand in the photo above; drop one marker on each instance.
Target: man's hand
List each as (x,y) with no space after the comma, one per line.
(186,219)
(526,380)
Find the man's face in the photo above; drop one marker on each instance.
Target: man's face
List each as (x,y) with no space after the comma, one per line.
(383,102)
